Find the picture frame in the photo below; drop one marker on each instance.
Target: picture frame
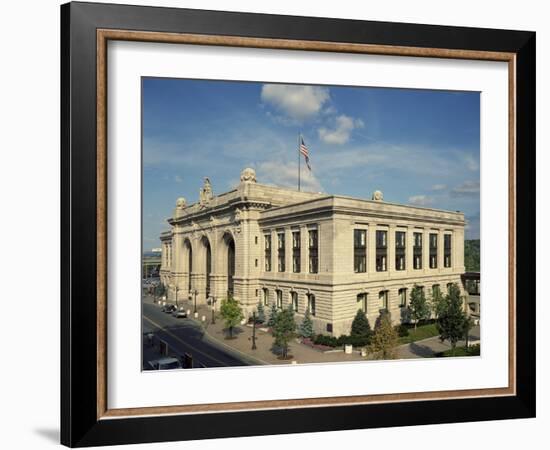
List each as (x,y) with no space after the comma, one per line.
(86,418)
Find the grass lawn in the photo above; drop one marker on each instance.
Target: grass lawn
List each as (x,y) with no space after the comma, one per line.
(421,332)
(474,350)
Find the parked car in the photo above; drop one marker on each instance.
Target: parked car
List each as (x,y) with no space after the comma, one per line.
(180,314)
(168,309)
(165,363)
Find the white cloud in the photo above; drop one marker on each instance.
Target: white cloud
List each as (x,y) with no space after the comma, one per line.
(466,189)
(285,174)
(471,163)
(420,200)
(439,187)
(297,102)
(341,132)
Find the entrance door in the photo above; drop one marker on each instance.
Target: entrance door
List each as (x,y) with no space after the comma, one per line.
(230,266)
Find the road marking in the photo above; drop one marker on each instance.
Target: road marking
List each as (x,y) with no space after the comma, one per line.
(183,342)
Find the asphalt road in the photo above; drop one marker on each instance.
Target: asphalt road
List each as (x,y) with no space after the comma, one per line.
(183,336)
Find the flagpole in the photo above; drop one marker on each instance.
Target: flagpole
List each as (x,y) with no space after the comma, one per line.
(299,159)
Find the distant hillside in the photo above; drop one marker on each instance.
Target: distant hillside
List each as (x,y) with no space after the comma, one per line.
(471,255)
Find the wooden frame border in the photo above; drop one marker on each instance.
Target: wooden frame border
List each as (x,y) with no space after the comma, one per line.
(105,35)
(85,419)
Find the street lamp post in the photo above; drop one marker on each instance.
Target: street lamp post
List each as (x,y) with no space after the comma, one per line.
(213,310)
(196,292)
(254,331)
(177,289)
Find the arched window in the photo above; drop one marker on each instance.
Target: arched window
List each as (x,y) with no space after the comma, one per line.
(402,297)
(383,296)
(362,302)
(294,300)
(311,304)
(230,266)
(189,264)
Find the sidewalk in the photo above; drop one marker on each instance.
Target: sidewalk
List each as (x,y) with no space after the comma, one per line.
(426,348)
(242,342)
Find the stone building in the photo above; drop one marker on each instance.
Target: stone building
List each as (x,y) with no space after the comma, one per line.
(331,254)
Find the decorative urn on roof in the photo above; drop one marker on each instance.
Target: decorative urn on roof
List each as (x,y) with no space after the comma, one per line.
(181,203)
(248,175)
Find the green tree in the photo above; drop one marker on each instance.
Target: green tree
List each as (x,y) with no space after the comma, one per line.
(160,290)
(260,317)
(438,304)
(385,339)
(272,315)
(306,327)
(284,330)
(451,321)
(471,255)
(418,305)
(360,327)
(231,313)
(468,325)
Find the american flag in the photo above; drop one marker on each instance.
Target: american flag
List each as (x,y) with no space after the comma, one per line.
(304,151)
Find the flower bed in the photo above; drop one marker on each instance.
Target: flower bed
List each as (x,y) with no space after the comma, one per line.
(310,343)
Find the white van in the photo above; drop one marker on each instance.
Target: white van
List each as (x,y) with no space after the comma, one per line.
(165,363)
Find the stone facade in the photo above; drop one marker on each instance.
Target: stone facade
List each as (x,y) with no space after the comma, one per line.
(331,254)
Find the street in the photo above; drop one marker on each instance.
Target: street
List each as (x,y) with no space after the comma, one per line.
(182,336)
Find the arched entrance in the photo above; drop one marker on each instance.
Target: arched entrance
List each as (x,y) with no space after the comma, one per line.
(230,266)
(189,251)
(208,265)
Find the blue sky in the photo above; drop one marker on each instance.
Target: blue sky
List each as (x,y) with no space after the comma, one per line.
(418,147)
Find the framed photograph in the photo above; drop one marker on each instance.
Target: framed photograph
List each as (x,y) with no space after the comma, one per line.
(277,224)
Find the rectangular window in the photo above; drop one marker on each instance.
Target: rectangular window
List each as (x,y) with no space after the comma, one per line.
(296,251)
(311,304)
(403,297)
(362,302)
(399,250)
(436,291)
(279,295)
(267,240)
(313,251)
(281,252)
(383,297)
(447,250)
(294,300)
(433,251)
(417,251)
(265,295)
(381,250)
(359,251)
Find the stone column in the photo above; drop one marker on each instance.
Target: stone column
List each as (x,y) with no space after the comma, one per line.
(288,249)
(409,244)
(426,250)
(371,249)
(304,245)
(458,250)
(440,249)
(274,243)
(391,249)
(177,263)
